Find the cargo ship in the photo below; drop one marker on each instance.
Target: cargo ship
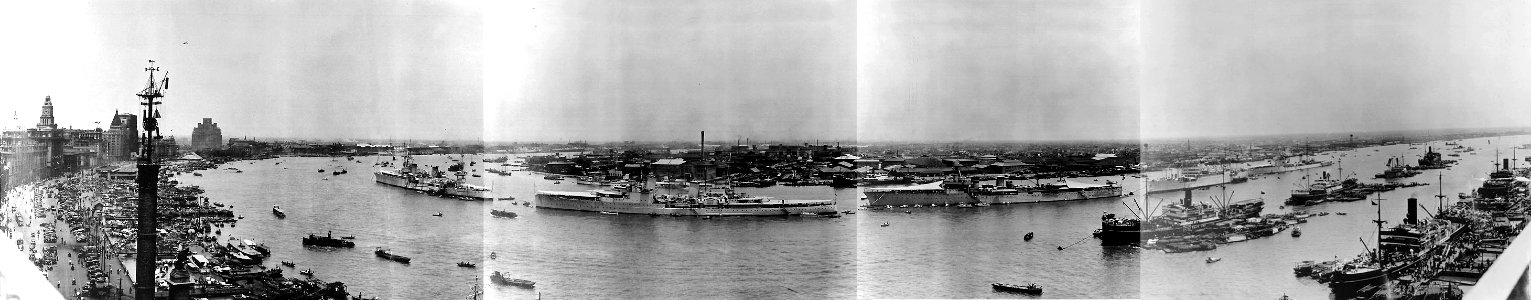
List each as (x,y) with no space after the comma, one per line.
(1433,160)
(328,240)
(1191,180)
(383,253)
(1176,219)
(712,203)
(1397,169)
(953,193)
(433,182)
(1399,249)
(1283,166)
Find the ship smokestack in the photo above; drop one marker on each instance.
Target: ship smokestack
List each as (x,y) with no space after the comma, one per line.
(1506,164)
(1187,200)
(1413,211)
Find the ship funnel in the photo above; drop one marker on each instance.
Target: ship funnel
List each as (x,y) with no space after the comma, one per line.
(1413,215)
(1506,164)
(1187,200)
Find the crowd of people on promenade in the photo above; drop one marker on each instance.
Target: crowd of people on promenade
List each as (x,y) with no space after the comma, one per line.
(80,231)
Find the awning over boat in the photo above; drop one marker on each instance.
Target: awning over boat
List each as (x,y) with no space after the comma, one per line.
(936,186)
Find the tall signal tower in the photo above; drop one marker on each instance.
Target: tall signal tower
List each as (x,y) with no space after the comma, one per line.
(148,187)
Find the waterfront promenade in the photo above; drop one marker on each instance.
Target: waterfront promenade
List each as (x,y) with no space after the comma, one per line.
(35,207)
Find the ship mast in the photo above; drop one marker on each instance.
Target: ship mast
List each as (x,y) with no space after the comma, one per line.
(1377,256)
(1440,192)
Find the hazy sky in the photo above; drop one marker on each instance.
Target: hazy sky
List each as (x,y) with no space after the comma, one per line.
(997,70)
(1253,67)
(304,69)
(664,70)
(777,70)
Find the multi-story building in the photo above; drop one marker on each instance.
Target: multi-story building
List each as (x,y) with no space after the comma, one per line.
(46,150)
(121,139)
(166,148)
(207,136)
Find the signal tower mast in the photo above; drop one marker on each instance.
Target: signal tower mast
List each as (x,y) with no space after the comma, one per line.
(148,187)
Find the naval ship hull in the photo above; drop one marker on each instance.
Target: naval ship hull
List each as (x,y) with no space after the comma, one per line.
(470,192)
(626,206)
(954,197)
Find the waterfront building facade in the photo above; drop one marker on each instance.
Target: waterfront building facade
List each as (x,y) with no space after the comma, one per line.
(121,139)
(207,136)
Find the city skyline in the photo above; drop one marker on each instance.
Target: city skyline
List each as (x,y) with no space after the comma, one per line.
(312,69)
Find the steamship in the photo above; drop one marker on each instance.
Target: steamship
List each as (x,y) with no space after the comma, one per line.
(725,203)
(955,193)
(434,182)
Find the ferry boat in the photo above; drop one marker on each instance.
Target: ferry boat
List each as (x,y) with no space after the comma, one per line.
(434,181)
(726,203)
(957,194)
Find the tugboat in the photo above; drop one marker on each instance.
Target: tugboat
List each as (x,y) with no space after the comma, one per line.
(277,210)
(500,278)
(383,253)
(465,264)
(438,214)
(1028,289)
(502,213)
(1296,232)
(328,240)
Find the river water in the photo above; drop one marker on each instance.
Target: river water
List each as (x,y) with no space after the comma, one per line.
(924,253)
